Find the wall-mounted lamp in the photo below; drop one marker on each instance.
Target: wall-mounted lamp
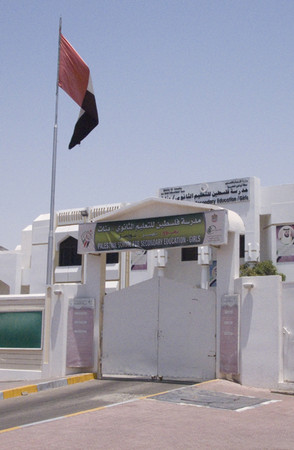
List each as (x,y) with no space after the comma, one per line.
(57,291)
(248,285)
(84,213)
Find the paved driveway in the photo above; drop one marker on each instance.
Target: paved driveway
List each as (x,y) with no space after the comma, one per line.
(213,415)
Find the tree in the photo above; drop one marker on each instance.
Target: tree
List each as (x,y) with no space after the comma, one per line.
(263,268)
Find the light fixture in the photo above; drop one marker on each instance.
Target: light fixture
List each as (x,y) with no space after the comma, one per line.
(248,285)
(84,213)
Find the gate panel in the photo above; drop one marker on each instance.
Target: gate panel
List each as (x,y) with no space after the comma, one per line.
(186,332)
(160,328)
(130,328)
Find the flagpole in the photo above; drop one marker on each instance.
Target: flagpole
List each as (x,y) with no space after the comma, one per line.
(50,253)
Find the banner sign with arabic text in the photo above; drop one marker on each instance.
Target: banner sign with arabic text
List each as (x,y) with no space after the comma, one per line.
(204,228)
(215,193)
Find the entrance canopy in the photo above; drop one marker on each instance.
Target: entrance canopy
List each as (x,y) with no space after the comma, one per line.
(159,223)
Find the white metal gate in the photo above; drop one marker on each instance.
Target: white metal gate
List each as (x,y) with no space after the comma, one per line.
(288,332)
(159,328)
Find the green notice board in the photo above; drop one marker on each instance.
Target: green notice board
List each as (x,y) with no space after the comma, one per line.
(21,329)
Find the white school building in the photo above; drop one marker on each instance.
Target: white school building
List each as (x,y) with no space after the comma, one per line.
(152,289)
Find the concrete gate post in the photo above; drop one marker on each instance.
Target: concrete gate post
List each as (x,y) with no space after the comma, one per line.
(92,287)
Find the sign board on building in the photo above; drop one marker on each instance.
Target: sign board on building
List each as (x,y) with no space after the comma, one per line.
(204,228)
(285,243)
(21,329)
(216,193)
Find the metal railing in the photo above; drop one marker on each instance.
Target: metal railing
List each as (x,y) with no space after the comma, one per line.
(81,215)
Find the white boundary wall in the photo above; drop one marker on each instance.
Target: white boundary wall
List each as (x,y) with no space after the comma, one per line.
(50,360)
(260,331)
(266,342)
(20,363)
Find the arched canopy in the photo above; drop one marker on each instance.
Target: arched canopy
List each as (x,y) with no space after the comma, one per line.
(159,223)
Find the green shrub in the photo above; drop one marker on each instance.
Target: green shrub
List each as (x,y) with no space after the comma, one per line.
(259,269)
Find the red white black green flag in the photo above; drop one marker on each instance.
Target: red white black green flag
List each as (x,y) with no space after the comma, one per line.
(75,79)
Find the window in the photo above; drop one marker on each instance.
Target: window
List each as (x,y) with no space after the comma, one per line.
(242,246)
(68,253)
(112,258)
(189,253)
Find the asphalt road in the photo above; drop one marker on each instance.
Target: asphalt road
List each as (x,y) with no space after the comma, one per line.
(74,398)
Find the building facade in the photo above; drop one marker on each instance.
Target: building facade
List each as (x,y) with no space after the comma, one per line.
(166,309)
(267,213)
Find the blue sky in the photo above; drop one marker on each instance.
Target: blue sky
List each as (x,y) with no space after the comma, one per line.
(188,91)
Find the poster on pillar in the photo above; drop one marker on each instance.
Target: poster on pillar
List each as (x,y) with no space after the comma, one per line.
(80,332)
(203,228)
(229,334)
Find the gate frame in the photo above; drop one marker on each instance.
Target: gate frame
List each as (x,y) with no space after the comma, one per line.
(227,254)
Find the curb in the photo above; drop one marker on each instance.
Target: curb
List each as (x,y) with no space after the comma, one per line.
(282,391)
(32,388)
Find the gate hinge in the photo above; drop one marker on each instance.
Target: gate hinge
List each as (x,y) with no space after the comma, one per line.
(159,333)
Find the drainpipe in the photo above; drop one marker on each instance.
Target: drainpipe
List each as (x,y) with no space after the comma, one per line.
(161,261)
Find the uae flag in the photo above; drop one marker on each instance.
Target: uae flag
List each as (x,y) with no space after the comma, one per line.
(74,78)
